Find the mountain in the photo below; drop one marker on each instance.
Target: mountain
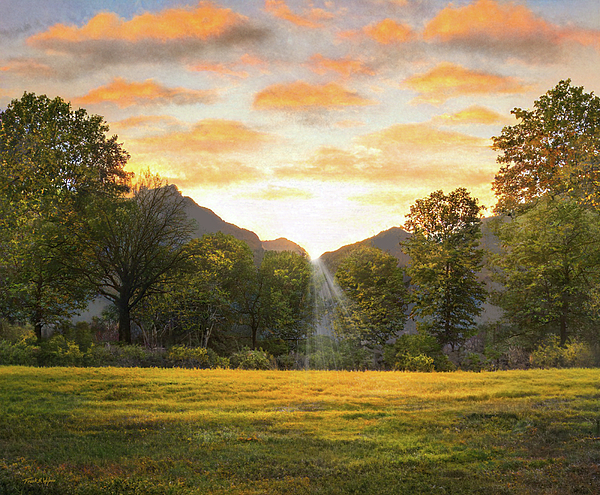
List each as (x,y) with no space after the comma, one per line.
(388,241)
(208,222)
(283,244)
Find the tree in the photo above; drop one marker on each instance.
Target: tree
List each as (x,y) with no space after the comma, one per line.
(445,260)
(55,163)
(287,297)
(204,301)
(377,296)
(548,268)
(553,150)
(139,246)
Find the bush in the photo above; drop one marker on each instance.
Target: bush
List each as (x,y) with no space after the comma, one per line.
(550,354)
(58,351)
(327,353)
(181,356)
(18,353)
(419,362)
(417,352)
(252,359)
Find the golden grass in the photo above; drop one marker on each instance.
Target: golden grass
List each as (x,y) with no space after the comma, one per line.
(234,431)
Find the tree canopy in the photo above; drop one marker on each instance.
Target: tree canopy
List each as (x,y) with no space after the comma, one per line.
(445,260)
(554,149)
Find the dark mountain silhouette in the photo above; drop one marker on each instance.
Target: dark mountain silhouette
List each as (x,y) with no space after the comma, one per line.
(208,222)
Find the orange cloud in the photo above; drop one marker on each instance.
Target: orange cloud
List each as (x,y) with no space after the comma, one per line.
(205,21)
(219,69)
(277,193)
(311,19)
(472,115)
(411,155)
(302,96)
(148,123)
(29,67)
(388,31)
(418,136)
(125,94)
(504,27)
(385,32)
(210,136)
(345,67)
(234,68)
(191,171)
(450,81)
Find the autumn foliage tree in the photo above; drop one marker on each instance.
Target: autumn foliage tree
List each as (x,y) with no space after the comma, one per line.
(553,150)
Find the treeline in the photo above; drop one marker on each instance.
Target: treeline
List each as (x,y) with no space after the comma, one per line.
(75,225)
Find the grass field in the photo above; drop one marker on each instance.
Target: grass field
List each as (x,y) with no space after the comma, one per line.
(127,430)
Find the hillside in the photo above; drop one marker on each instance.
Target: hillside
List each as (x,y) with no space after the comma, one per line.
(208,222)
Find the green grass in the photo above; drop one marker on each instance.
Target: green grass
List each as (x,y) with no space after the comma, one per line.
(119,430)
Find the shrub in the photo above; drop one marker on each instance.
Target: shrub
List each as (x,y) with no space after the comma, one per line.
(18,353)
(252,359)
(550,354)
(419,362)
(411,350)
(58,351)
(181,356)
(15,333)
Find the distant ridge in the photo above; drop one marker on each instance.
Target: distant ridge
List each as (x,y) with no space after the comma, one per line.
(283,244)
(208,222)
(388,241)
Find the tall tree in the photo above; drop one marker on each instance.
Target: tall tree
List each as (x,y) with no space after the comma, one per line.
(55,162)
(554,149)
(548,268)
(445,260)
(287,300)
(377,296)
(139,246)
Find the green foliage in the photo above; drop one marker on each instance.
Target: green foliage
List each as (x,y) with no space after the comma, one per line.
(445,260)
(548,270)
(252,359)
(376,304)
(574,354)
(287,305)
(417,352)
(56,162)
(14,333)
(552,150)
(20,353)
(58,351)
(139,246)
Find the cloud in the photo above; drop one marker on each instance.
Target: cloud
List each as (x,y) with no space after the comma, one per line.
(404,154)
(450,81)
(171,34)
(345,67)
(385,32)
(504,28)
(473,115)
(278,193)
(148,124)
(124,94)
(238,68)
(191,171)
(302,96)
(29,67)
(212,136)
(312,18)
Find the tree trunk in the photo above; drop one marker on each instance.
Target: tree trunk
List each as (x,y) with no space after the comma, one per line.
(124,323)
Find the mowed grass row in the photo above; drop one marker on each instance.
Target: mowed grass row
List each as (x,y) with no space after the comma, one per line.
(120,430)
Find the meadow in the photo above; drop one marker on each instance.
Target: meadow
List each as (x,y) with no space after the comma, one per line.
(176,431)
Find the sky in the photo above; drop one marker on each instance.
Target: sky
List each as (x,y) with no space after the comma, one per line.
(318,121)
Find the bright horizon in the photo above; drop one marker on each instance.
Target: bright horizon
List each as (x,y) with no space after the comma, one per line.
(318,121)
